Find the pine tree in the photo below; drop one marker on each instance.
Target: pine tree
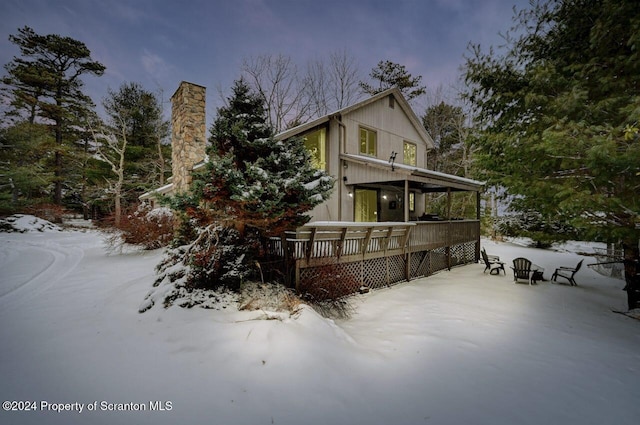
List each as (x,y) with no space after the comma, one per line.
(46,83)
(388,74)
(253,179)
(24,178)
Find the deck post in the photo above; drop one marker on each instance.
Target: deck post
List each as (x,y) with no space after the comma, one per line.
(365,242)
(340,247)
(388,239)
(310,243)
(287,260)
(406,249)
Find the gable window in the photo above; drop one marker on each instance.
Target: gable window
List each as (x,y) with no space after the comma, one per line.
(367,142)
(410,154)
(316,144)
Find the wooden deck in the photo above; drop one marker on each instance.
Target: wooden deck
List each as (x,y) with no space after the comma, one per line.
(376,254)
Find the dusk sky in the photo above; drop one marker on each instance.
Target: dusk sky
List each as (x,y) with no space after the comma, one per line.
(159,43)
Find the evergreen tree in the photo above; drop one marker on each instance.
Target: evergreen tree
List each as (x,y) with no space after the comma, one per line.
(559,109)
(46,83)
(24,179)
(389,74)
(254,180)
(445,124)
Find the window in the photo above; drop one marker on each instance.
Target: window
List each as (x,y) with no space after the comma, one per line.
(316,144)
(410,154)
(367,142)
(412,202)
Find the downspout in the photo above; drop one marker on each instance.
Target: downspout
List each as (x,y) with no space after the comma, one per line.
(342,148)
(406,199)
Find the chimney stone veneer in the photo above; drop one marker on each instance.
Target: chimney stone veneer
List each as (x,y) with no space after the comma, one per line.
(188,129)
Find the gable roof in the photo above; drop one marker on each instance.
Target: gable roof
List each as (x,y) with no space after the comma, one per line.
(395,92)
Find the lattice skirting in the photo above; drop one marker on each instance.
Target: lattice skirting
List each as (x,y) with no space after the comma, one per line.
(335,279)
(330,281)
(463,253)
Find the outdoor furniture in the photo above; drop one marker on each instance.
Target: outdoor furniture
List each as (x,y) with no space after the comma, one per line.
(492,263)
(526,270)
(567,273)
(536,273)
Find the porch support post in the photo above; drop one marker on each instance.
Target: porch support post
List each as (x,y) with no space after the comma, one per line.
(406,200)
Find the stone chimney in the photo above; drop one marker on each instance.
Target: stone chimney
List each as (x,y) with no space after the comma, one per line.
(188,133)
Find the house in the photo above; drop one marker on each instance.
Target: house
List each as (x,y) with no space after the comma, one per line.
(372,227)
(376,149)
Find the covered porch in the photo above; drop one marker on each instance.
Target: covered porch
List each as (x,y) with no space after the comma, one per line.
(388,234)
(382,191)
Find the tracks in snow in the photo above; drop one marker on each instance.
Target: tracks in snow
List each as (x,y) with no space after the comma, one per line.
(21,280)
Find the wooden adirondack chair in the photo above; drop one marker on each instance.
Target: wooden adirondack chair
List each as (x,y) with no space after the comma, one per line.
(567,273)
(492,263)
(521,269)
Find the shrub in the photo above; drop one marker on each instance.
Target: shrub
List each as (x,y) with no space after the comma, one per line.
(50,212)
(328,287)
(146,227)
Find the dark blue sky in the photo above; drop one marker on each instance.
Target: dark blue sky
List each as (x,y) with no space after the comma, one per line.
(159,43)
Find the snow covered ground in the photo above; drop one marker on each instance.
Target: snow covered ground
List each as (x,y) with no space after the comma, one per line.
(459,347)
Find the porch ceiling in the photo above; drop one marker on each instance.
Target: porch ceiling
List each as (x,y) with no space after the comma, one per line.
(363,170)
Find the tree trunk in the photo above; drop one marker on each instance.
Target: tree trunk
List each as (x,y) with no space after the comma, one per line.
(118,212)
(57,189)
(632,272)
(58,172)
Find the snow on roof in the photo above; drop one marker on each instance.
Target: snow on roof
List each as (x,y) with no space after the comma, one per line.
(159,191)
(411,169)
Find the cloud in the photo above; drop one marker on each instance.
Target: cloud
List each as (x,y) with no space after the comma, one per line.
(126,12)
(153,64)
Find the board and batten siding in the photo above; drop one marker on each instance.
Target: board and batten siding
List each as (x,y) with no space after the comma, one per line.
(392,128)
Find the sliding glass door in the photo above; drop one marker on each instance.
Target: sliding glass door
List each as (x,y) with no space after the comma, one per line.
(366,205)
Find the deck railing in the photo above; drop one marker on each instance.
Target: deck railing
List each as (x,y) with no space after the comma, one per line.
(371,240)
(414,246)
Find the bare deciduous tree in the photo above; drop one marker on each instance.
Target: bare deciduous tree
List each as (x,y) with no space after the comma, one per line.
(327,84)
(276,80)
(344,77)
(332,84)
(111,149)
